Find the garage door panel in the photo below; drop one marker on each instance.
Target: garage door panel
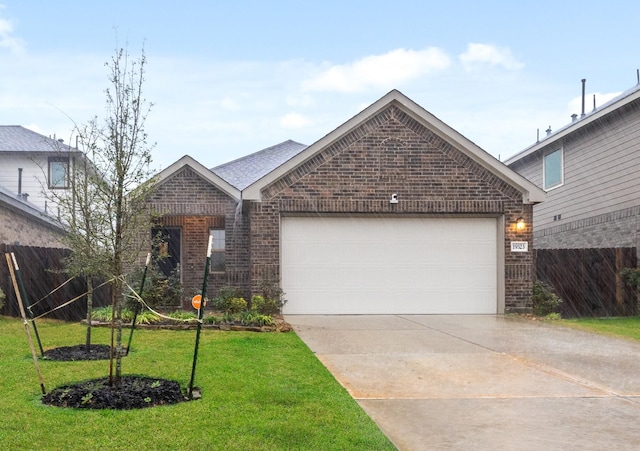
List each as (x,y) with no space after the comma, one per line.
(389,265)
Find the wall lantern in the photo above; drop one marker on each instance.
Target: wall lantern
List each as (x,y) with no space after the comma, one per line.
(520,224)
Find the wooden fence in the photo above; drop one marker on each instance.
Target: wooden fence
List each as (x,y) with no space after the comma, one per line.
(42,272)
(589,280)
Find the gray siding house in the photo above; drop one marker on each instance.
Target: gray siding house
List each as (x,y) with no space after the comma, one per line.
(590,170)
(34,166)
(392,212)
(31,165)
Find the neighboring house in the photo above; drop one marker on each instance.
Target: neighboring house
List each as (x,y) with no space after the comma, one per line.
(23,223)
(35,166)
(591,172)
(392,212)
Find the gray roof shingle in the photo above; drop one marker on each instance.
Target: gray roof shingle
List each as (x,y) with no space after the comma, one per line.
(15,138)
(246,170)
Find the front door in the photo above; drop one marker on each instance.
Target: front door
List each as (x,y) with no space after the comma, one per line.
(168,249)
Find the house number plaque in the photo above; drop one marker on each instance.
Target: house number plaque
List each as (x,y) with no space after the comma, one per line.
(519,246)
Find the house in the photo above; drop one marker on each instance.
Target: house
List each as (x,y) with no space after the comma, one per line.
(392,212)
(590,170)
(35,166)
(25,224)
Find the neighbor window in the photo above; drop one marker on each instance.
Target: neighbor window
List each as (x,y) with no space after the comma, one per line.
(552,173)
(58,172)
(217,249)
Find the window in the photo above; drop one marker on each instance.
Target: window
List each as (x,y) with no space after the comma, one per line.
(552,171)
(58,172)
(217,250)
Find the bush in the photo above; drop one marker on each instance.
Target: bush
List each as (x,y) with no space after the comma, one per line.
(144,316)
(265,306)
(545,301)
(236,305)
(631,276)
(272,297)
(2,296)
(159,290)
(223,298)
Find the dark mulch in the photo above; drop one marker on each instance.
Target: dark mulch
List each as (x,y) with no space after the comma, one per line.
(78,352)
(134,392)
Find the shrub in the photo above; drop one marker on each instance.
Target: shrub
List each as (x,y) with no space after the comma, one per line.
(253,318)
(159,290)
(265,306)
(272,297)
(224,296)
(236,305)
(2,296)
(144,317)
(631,276)
(181,315)
(545,301)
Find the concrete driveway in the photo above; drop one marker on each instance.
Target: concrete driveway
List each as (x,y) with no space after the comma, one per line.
(483,382)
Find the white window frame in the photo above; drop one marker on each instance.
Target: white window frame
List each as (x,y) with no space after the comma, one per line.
(544,170)
(218,247)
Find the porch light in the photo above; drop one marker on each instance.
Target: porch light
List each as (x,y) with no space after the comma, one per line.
(520,224)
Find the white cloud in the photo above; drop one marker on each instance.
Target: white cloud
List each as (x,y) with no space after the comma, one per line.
(7,40)
(229,104)
(303,100)
(484,54)
(295,120)
(379,71)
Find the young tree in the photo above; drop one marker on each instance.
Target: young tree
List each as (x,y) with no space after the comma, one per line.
(106,209)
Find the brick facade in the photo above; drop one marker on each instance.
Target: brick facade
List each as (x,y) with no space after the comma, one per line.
(194,205)
(392,153)
(27,230)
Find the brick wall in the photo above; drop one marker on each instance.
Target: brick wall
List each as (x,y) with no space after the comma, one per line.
(26,230)
(615,229)
(193,205)
(392,153)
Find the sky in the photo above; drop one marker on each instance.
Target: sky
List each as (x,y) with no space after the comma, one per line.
(229,78)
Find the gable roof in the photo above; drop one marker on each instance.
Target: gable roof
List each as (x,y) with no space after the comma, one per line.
(202,171)
(620,101)
(15,138)
(530,192)
(246,170)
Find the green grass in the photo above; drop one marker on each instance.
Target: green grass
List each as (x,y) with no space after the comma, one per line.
(628,326)
(259,391)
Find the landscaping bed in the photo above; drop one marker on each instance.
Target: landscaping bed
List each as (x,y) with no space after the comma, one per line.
(133,392)
(279,325)
(77,352)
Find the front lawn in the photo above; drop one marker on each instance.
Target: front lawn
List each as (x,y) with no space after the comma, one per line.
(628,326)
(259,391)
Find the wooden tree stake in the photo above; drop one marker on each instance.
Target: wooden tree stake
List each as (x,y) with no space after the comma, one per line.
(24,319)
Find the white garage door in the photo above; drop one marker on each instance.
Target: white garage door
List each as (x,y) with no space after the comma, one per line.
(341,265)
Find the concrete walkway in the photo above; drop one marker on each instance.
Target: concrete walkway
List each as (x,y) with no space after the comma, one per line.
(483,382)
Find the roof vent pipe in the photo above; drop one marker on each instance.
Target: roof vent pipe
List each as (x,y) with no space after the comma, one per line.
(548,131)
(19,182)
(584,80)
(638,75)
(574,117)
(594,102)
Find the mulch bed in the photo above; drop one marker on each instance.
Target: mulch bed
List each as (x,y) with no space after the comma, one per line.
(133,392)
(77,352)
